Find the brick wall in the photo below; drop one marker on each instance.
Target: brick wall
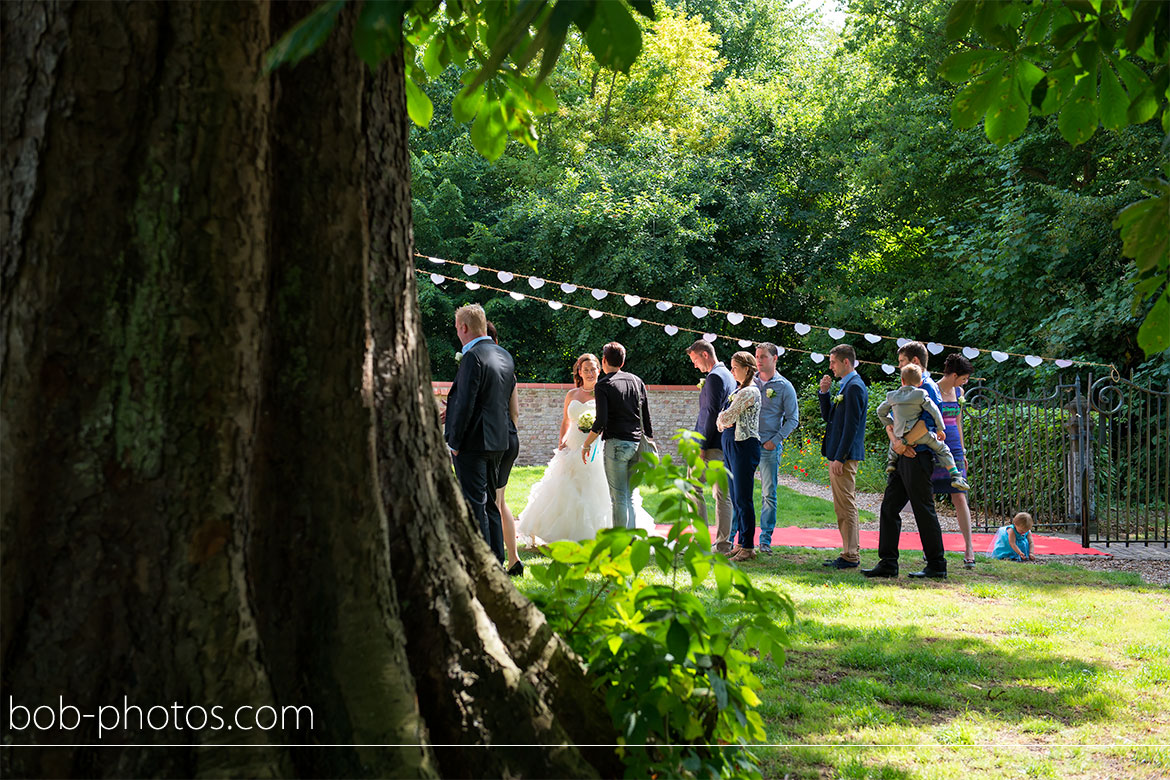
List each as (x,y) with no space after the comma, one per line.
(541,406)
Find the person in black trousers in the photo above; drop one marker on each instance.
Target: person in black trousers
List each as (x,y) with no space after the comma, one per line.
(477,421)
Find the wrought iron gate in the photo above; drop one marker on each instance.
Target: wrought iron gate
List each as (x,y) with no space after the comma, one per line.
(1091,458)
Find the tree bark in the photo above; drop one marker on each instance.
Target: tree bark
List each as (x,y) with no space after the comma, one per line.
(223,481)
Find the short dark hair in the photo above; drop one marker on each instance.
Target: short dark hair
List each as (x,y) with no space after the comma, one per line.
(614,354)
(844,352)
(958,365)
(703,347)
(769,347)
(915,349)
(491,331)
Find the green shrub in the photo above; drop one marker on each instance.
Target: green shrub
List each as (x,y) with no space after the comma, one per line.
(674,678)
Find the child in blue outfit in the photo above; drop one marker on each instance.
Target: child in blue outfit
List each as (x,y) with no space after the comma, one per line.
(1013,542)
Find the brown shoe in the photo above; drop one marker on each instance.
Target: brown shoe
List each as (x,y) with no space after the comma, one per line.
(734,551)
(744,554)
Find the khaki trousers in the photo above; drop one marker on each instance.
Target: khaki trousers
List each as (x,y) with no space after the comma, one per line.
(722,506)
(844,489)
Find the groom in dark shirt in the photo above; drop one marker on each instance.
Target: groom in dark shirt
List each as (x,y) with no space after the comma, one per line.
(623,417)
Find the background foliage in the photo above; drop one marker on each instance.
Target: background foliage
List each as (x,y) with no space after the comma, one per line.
(755,159)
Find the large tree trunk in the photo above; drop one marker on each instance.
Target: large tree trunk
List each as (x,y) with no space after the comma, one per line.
(223,481)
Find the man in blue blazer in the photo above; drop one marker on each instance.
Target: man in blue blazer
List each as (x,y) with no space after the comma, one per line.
(716,386)
(844,447)
(477,420)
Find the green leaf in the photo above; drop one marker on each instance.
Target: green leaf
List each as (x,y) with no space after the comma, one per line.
(722,577)
(1141,23)
(1027,77)
(305,37)
(1037,27)
(1078,118)
(433,55)
(965,64)
(639,555)
(418,105)
(1068,33)
(1154,334)
(959,19)
(489,132)
(378,32)
(466,104)
(613,37)
(678,641)
(972,102)
(1112,102)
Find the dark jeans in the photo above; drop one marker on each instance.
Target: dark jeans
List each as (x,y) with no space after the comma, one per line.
(478,473)
(910,482)
(727,441)
(743,467)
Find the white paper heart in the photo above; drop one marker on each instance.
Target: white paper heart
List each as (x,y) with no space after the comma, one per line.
(817,357)
(933,347)
(634,321)
(472,285)
(535,283)
(504,276)
(768,322)
(471,270)
(594,313)
(888,368)
(670,330)
(709,338)
(437,260)
(632,300)
(599,294)
(998,356)
(970,353)
(554,305)
(802,329)
(734,317)
(836,333)
(1033,360)
(569,288)
(744,343)
(1062,363)
(516,296)
(438,278)
(663,305)
(699,312)
(779,351)
(903,342)
(872,338)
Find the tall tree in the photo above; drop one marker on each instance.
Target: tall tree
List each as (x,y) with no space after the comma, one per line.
(223,478)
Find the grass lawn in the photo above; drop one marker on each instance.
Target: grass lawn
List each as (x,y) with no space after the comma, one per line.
(792,508)
(998,672)
(802,459)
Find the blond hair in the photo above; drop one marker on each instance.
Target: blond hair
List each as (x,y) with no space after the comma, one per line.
(1024,518)
(473,317)
(911,374)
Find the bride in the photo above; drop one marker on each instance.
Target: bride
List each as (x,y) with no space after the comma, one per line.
(571,500)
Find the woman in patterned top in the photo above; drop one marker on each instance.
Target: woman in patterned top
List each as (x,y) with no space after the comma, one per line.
(744,414)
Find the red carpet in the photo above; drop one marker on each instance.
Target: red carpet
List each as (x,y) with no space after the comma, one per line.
(953,542)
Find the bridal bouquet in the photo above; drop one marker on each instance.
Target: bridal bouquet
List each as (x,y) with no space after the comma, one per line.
(585,421)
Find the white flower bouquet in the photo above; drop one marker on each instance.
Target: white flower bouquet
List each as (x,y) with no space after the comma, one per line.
(585,421)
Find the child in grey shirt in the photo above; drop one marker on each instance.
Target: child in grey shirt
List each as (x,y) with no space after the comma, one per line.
(903,407)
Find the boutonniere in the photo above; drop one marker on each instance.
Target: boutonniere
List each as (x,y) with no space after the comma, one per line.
(701,382)
(962,400)
(458,357)
(771,393)
(838,398)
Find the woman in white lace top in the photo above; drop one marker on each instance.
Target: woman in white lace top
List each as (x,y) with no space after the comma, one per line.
(744,414)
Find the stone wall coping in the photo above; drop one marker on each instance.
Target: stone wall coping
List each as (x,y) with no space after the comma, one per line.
(437,386)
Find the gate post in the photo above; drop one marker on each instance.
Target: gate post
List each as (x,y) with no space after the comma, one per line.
(1079,467)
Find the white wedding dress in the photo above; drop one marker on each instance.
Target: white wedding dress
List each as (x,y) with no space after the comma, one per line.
(571,501)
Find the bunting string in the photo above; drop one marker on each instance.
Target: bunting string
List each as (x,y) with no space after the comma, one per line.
(734,317)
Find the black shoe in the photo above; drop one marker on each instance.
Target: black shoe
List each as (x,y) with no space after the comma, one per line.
(933,574)
(517,569)
(831,562)
(841,563)
(880,571)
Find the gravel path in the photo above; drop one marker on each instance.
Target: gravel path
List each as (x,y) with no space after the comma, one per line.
(1152,563)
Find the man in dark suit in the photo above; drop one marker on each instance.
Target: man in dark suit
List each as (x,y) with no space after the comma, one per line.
(476,426)
(715,387)
(844,447)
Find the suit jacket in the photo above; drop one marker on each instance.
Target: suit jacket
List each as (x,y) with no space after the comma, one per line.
(845,421)
(717,386)
(477,406)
